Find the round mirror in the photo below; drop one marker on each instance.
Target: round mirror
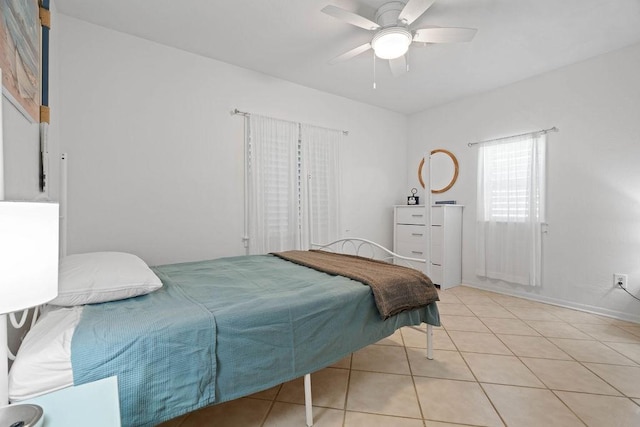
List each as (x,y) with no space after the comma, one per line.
(444,170)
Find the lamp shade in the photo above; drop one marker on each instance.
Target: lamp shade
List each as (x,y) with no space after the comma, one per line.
(28,254)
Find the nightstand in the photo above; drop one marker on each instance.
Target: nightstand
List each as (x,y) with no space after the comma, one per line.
(93,404)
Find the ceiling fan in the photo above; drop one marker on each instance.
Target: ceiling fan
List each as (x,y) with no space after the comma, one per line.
(392,33)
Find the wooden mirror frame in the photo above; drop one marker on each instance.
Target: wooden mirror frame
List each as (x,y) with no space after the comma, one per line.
(455,172)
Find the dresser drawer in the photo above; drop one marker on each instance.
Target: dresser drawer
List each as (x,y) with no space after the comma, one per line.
(412,250)
(437,237)
(436,274)
(437,245)
(411,234)
(436,254)
(411,215)
(437,215)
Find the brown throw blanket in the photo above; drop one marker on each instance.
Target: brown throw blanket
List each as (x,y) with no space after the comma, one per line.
(395,288)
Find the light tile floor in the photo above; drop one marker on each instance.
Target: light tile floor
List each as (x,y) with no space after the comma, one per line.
(499,361)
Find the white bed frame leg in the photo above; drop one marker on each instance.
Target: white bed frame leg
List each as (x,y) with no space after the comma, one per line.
(307,400)
(430,342)
(4,353)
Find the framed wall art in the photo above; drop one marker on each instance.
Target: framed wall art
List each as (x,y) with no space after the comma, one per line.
(20,55)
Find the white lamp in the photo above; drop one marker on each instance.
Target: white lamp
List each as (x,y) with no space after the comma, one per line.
(28,273)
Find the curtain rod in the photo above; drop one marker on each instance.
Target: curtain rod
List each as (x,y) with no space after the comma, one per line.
(543,131)
(236,112)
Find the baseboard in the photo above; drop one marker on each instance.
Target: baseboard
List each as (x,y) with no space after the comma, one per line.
(558,302)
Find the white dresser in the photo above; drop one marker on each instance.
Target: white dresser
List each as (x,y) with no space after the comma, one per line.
(446,245)
(410,233)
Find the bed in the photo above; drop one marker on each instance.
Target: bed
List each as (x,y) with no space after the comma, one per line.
(210,332)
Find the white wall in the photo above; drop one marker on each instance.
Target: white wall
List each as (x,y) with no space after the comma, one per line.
(156,160)
(21,154)
(593,174)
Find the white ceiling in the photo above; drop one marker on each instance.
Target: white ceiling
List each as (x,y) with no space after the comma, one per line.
(293,40)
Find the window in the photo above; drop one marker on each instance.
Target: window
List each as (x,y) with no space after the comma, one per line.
(511,209)
(508,170)
(293,185)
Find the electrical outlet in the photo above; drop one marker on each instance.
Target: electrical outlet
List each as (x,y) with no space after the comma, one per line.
(620,280)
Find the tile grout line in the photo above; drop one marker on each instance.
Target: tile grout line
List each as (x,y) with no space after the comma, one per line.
(346,394)
(606,343)
(272,403)
(413,381)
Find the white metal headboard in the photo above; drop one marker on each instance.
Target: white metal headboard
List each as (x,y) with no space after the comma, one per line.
(367,249)
(19,324)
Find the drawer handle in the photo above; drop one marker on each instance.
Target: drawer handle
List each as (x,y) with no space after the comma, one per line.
(417,234)
(416,252)
(417,215)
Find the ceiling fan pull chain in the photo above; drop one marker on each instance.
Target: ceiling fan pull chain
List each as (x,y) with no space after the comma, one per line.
(374,70)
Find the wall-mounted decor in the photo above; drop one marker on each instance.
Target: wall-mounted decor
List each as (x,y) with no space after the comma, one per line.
(20,55)
(24,59)
(45,21)
(454,174)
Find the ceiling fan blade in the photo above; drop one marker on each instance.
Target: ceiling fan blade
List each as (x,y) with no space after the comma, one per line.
(444,35)
(350,54)
(350,17)
(398,66)
(414,9)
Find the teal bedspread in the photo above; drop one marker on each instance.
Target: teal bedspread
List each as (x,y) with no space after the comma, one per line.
(223,329)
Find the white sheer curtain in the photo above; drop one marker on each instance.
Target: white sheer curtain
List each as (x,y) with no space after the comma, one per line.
(511,209)
(274,217)
(293,185)
(321,188)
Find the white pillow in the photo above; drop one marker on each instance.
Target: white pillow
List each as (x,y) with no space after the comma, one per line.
(103,276)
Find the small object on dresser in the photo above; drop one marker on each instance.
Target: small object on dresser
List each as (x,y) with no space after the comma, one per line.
(413,199)
(445,202)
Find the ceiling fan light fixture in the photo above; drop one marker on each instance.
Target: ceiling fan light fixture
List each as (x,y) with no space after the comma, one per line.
(391,43)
